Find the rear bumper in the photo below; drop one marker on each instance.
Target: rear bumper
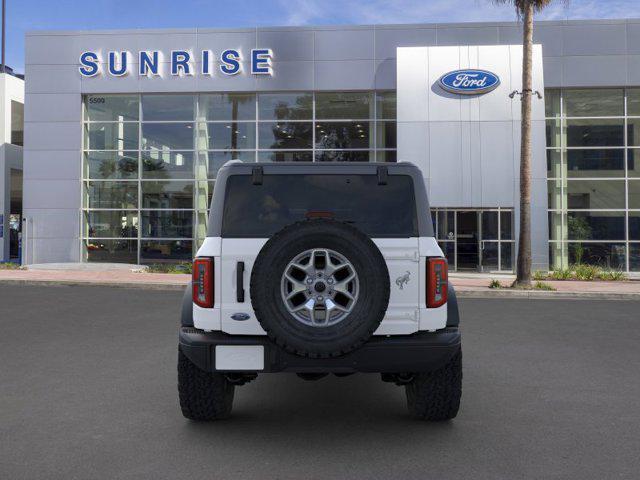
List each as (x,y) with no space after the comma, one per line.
(420,352)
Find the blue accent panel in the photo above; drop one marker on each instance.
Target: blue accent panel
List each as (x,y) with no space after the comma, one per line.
(113,67)
(180,62)
(469,81)
(89,64)
(149,62)
(230,62)
(206,62)
(261,61)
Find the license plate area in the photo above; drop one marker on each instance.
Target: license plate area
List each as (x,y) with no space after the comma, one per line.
(246,358)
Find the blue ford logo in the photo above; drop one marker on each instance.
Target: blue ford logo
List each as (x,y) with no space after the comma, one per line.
(469,82)
(240,317)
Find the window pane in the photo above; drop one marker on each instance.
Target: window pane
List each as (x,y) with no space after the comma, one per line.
(595,194)
(166,251)
(344,156)
(168,107)
(167,194)
(167,164)
(634,257)
(213,161)
(17,123)
(506,225)
(634,194)
(112,251)
(593,103)
(227,136)
(449,250)
(111,164)
(634,225)
(552,103)
(285,106)
(167,136)
(556,230)
(554,163)
(386,105)
(596,225)
(595,163)
(554,133)
(111,224)
(633,101)
(555,199)
(386,156)
(386,135)
(174,224)
(489,255)
(290,135)
(112,194)
(506,260)
(227,106)
(446,225)
(490,226)
(330,135)
(606,255)
(633,132)
(112,108)
(111,136)
(595,133)
(285,156)
(633,162)
(349,105)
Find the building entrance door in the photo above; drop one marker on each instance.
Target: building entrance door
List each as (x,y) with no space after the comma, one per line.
(468,245)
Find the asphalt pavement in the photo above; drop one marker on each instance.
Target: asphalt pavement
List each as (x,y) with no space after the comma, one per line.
(551,389)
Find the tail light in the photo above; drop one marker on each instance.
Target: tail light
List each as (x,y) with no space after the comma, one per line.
(203,282)
(437,282)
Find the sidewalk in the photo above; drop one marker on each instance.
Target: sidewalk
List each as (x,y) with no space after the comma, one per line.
(467,285)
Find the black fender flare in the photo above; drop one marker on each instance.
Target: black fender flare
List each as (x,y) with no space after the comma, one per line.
(453,313)
(186,314)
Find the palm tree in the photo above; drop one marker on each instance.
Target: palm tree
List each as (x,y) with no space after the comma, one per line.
(525,10)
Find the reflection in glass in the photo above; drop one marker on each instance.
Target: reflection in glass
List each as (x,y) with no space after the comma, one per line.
(634,225)
(112,251)
(595,133)
(490,225)
(633,102)
(446,225)
(167,136)
(166,251)
(600,102)
(285,156)
(112,194)
(633,132)
(211,162)
(552,102)
(506,225)
(595,163)
(386,105)
(633,162)
(489,255)
(111,223)
(347,105)
(634,257)
(112,108)
(557,230)
(449,250)
(330,135)
(344,156)
(111,165)
(386,156)
(595,194)
(167,164)
(168,107)
(111,136)
(554,163)
(227,106)
(634,194)
(289,135)
(554,133)
(167,224)
(386,135)
(605,255)
(227,136)
(506,256)
(285,106)
(167,194)
(596,225)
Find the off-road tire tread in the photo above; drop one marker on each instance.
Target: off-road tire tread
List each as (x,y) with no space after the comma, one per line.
(435,396)
(203,396)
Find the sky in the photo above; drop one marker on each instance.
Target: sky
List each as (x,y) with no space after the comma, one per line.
(26,15)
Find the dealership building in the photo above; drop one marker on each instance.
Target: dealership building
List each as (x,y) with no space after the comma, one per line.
(125,131)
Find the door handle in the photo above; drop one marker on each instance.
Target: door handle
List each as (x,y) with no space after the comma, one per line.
(240,282)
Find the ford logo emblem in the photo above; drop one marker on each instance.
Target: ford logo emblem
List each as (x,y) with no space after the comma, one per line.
(240,317)
(469,82)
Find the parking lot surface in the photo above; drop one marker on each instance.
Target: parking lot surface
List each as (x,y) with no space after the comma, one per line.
(88,391)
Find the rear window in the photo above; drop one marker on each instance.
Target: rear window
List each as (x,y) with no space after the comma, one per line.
(259,211)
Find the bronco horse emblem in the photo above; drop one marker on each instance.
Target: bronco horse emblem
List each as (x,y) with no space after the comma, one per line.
(402,280)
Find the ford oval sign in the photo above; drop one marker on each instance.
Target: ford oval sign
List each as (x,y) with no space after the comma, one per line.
(469,82)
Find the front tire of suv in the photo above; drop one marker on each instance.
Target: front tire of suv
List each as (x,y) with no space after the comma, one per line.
(203,395)
(435,396)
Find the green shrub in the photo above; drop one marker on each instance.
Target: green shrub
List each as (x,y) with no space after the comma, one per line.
(543,286)
(612,275)
(9,266)
(562,274)
(495,284)
(183,267)
(587,272)
(540,275)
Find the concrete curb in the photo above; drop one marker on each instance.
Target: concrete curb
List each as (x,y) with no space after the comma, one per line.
(546,295)
(81,283)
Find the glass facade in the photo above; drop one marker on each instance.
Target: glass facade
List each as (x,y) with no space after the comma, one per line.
(150,161)
(594,177)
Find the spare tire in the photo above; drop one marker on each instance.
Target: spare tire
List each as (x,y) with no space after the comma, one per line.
(320,288)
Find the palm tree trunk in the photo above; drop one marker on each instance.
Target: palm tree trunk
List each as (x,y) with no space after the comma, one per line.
(523,277)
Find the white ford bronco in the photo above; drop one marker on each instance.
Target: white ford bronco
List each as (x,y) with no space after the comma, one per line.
(319,269)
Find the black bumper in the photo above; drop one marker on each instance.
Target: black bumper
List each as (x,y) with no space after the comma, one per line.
(420,352)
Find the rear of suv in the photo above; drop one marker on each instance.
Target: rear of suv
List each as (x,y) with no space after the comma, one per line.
(320,269)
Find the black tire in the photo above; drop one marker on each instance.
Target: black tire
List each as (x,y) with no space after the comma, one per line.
(306,340)
(203,395)
(435,396)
